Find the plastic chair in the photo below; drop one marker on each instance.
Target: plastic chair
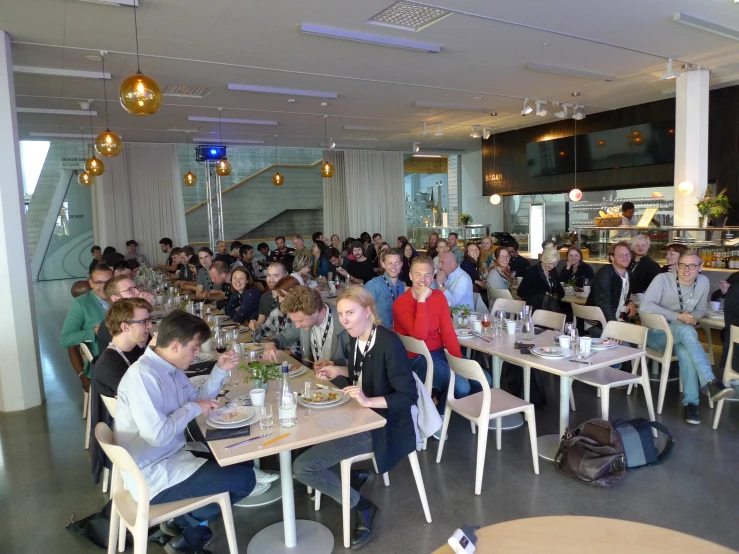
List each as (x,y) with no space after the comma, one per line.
(480,408)
(346,466)
(479,303)
(138,516)
(608,377)
(86,398)
(658,321)
(416,346)
(494,294)
(730,374)
(588,313)
(110,404)
(508,306)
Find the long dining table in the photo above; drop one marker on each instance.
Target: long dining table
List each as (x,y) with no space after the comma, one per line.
(502,349)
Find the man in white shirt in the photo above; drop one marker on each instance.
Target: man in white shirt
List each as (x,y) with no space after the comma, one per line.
(454,282)
(156,401)
(627,214)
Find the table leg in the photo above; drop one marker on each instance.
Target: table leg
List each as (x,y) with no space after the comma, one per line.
(707,331)
(549,444)
(513,421)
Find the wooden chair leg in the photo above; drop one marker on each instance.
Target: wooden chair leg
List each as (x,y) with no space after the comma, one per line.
(122,536)
(317,500)
(664,376)
(115,520)
(482,442)
(85,404)
(498,432)
(228,524)
(413,458)
(106,478)
(647,392)
(716,418)
(472,425)
(88,425)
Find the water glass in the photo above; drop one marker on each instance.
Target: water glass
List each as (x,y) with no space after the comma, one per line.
(309,394)
(266,419)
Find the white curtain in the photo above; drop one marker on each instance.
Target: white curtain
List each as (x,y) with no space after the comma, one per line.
(375,193)
(335,219)
(140,197)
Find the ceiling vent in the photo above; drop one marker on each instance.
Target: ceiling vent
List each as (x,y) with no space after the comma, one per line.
(409,16)
(187,128)
(186,91)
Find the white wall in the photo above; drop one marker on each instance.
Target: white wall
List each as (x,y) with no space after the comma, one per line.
(472,200)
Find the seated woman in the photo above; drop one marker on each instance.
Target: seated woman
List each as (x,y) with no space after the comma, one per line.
(540,287)
(643,268)
(487,257)
(441,246)
(499,276)
(575,268)
(243,303)
(469,265)
(277,321)
(301,268)
(431,251)
(408,255)
(673,253)
(381,379)
(320,266)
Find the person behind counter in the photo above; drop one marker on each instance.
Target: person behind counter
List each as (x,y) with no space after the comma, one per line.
(673,253)
(575,268)
(643,268)
(627,214)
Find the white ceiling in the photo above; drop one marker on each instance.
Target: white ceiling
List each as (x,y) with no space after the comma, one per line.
(211,43)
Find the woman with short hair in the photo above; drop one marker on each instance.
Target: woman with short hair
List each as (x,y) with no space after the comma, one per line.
(673,253)
(243,302)
(643,268)
(540,287)
(301,268)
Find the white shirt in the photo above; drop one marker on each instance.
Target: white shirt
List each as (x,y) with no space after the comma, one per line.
(361,346)
(156,401)
(317,333)
(298,277)
(624,300)
(458,289)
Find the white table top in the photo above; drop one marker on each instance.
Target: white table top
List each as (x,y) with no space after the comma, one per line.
(713,322)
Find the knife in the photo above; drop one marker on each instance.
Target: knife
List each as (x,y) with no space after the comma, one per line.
(326,387)
(582,362)
(479,336)
(247,440)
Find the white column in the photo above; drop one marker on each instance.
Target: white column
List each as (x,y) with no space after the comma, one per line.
(691,143)
(20,371)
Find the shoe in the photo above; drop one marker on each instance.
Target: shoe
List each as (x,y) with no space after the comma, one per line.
(264,477)
(717,390)
(358,478)
(692,415)
(179,545)
(170,528)
(364,526)
(260,488)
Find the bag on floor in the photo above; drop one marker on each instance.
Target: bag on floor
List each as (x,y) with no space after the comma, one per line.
(592,453)
(636,436)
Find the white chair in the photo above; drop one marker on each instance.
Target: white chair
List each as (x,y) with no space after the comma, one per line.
(730,374)
(658,321)
(609,377)
(346,466)
(317,495)
(588,313)
(494,294)
(480,408)
(419,347)
(86,397)
(508,305)
(479,303)
(138,516)
(110,404)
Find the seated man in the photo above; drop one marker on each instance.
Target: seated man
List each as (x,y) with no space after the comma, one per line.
(454,282)
(220,275)
(268,300)
(611,289)
(314,326)
(133,254)
(85,315)
(281,252)
(203,282)
(682,299)
(518,263)
(246,253)
(165,244)
(423,313)
(263,249)
(97,256)
(174,255)
(120,286)
(222,253)
(387,288)
(731,317)
(156,401)
(299,245)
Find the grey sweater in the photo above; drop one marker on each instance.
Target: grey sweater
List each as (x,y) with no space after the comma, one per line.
(661,297)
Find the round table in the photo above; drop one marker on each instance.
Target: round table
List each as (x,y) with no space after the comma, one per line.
(568,534)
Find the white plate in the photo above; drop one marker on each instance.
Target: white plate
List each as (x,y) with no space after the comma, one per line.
(221,317)
(232,415)
(597,344)
(199,380)
(463,333)
(551,352)
(324,406)
(252,347)
(298,372)
(716,315)
(251,421)
(327,402)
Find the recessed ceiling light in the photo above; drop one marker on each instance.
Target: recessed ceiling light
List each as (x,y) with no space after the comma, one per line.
(571,71)
(63,135)
(231,120)
(706,25)
(427,156)
(85,113)
(455,107)
(186,91)
(226,141)
(476,131)
(409,16)
(374,129)
(278,90)
(57,72)
(344,34)
(324,104)
(575,93)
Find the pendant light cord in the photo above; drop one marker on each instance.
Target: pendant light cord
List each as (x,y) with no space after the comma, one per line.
(576,153)
(105,94)
(187,145)
(136,27)
(277,157)
(220,128)
(92,131)
(82,139)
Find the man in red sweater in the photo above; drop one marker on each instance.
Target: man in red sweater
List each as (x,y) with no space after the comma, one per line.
(423,313)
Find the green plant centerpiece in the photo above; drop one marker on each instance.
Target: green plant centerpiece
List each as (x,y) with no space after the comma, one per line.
(262,373)
(465,219)
(462,313)
(571,282)
(713,206)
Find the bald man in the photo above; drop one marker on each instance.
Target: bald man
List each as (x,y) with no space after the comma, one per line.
(454,282)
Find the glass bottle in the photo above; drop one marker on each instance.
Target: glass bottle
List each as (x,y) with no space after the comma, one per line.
(527,325)
(287,400)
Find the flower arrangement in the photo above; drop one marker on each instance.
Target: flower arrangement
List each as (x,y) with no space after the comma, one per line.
(712,206)
(465,219)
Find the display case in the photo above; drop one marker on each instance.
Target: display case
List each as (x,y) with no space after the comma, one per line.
(716,245)
(420,235)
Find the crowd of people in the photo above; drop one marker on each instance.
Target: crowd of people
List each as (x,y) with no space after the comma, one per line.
(386,291)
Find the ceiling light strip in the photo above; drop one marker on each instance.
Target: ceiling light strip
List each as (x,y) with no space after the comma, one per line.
(232,120)
(57,72)
(286,91)
(374,129)
(55,111)
(455,107)
(705,25)
(569,71)
(60,135)
(346,34)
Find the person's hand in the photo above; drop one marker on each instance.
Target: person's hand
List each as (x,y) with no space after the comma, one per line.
(356,393)
(253,326)
(207,406)
(342,271)
(569,266)
(724,286)
(85,382)
(149,297)
(423,293)
(96,328)
(687,319)
(271,354)
(631,309)
(228,360)
(321,363)
(440,278)
(328,372)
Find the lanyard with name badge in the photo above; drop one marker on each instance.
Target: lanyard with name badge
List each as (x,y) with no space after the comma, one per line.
(316,350)
(390,288)
(115,347)
(358,372)
(680,294)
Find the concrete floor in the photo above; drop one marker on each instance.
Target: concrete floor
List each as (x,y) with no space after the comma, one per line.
(45,478)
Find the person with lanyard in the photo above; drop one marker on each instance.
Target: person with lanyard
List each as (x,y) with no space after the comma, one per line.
(314,326)
(120,286)
(611,289)
(268,301)
(387,288)
(380,377)
(682,298)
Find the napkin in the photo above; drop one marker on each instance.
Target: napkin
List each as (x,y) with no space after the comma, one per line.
(218,434)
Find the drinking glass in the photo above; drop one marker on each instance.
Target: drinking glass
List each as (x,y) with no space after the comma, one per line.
(308,394)
(485,323)
(266,419)
(220,341)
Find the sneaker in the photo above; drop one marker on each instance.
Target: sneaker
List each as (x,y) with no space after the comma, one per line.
(179,545)
(692,415)
(264,477)
(260,488)
(717,390)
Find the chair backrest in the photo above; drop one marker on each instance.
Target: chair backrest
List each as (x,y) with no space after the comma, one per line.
(494,294)
(627,332)
(658,321)
(470,370)
(550,320)
(508,306)
(733,337)
(479,303)
(122,461)
(416,346)
(589,313)
(259,286)
(85,351)
(110,403)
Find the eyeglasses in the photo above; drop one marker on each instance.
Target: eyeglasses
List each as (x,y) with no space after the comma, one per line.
(691,267)
(623,256)
(99,283)
(144,321)
(131,290)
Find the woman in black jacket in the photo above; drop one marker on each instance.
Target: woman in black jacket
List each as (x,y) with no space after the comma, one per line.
(381,379)
(575,268)
(243,304)
(643,268)
(541,283)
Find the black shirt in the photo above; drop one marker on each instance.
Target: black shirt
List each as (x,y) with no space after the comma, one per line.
(103,337)
(110,368)
(520,265)
(279,255)
(267,304)
(643,272)
(361,270)
(226,288)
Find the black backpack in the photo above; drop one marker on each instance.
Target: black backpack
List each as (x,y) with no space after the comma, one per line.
(636,436)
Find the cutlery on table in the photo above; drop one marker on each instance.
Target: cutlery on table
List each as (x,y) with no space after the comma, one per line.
(479,336)
(274,440)
(247,440)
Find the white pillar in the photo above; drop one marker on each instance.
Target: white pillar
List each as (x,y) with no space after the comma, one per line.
(691,143)
(21,384)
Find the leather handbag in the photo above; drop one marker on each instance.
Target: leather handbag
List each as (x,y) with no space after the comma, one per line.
(592,453)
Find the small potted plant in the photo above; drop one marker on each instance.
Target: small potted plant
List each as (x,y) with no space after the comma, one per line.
(570,287)
(713,207)
(462,313)
(262,373)
(465,219)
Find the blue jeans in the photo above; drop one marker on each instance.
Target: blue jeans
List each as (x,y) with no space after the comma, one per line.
(695,369)
(238,480)
(442,372)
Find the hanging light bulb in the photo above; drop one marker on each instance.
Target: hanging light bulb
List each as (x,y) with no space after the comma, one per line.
(495,199)
(277,179)
(107,143)
(140,95)
(85,179)
(685,188)
(223,167)
(189,178)
(93,166)
(575,195)
(327,169)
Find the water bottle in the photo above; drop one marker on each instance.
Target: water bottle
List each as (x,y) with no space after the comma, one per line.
(287,400)
(527,324)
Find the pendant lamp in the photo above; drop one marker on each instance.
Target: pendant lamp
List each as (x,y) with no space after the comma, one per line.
(94,166)
(190,179)
(327,169)
(277,179)
(107,143)
(223,167)
(140,95)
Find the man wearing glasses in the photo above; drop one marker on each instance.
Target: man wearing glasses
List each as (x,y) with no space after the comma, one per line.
(611,288)
(682,298)
(387,288)
(120,286)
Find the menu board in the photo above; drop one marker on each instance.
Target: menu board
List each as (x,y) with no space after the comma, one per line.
(646,218)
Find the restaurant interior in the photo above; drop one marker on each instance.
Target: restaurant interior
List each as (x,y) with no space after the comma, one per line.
(250,120)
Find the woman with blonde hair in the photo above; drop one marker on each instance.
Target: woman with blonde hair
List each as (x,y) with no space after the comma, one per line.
(540,287)
(643,268)
(380,377)
(487,250)
(301,268)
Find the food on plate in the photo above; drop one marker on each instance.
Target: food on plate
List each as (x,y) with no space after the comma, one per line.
(254,346)
(321,397)
(295,367)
